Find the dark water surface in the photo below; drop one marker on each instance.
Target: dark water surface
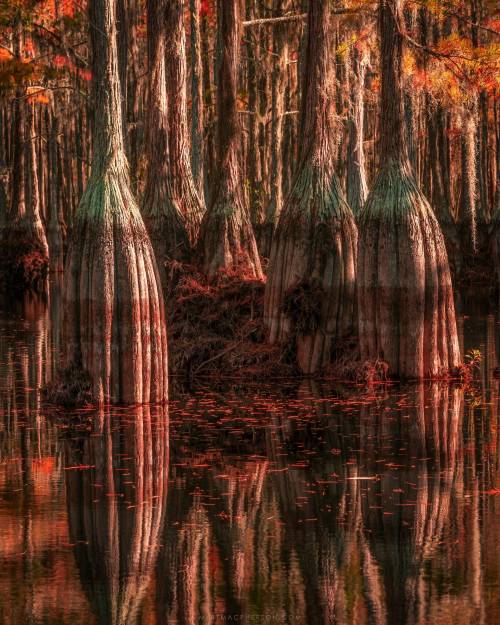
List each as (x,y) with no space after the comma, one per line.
(283,503)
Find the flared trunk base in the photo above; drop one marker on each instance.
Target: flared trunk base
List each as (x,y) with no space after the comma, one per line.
(310,290)
(115,317)
(405,298)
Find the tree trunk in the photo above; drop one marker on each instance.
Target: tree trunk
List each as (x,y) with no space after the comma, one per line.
(56,229)
(33,208)
(437,155)
(440,186)
(197,103)
(24,260)
(208,88)
(495,221)
(40,133)
(357,187)
(290,126)
(183,190)
(254,165)
(227,241)
(122,27)
(79,141)
(128,16)
(406,308)
(4,177)
(18,194)
(278,92)
(311,279)
(164,217)
(115,319)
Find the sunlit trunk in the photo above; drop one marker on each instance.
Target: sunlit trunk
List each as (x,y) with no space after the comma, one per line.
(405,299)
(310,290)
(115,319)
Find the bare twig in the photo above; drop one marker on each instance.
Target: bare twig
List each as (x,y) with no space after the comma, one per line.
(298,17)
(218,355)
(270,21)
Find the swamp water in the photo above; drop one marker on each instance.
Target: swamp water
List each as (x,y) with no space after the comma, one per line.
(297,502)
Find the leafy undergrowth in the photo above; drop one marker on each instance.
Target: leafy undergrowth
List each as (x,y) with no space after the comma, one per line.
(470,367)
(215,327)
(23,267)
(346,364)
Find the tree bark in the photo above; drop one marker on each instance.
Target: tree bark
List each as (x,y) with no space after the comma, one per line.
(115,319)
(357,186)
(310,289)
(24,261)
(208,89)
(406,308)
(18,193)
(227,241)
(164,216)
(56,229)
(183,186)
(33,208)
(495,221)
(278,93)
(197,103)
(254,165)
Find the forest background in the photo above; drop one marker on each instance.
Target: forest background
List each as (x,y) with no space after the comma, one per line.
(171,54)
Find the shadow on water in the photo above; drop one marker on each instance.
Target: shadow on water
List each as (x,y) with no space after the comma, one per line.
(293,503)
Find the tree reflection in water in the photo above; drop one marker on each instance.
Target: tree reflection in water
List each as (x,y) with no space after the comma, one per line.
(116,508)
(318,504)
(404,512)
(336,516)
